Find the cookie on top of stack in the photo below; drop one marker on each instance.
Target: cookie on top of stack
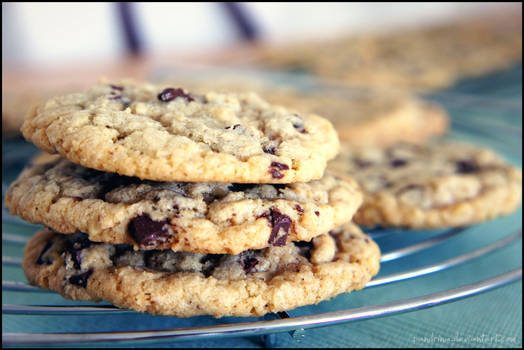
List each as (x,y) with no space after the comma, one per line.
(170,202)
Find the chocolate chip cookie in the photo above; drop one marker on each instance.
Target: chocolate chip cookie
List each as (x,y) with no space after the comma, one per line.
(444,184)
(15,107)
(184,284)
(422,58)
(184,216)
(166,133)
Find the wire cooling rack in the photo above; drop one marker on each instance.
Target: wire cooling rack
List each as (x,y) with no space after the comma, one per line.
(30,315)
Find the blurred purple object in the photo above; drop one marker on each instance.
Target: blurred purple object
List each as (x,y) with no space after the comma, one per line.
(245,25)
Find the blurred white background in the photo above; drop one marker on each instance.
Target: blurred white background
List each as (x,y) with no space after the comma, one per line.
(43,34)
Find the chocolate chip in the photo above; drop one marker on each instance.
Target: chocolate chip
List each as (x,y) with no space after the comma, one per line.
(112,182)
(241,187)
(466,167)
(90,174)
(74,246)
(304,248)
(121,249)
(80,279)
(298,123)
(148,233)
(299,209)
(277,221)
(234,126)
(395,163)
(279,166)
(176,208)
(300,128)
(248,263)
(170,94)
(270,150)
(40,260)
(279,187)
(115,87)
(275,173)
(317,213)
(209,262)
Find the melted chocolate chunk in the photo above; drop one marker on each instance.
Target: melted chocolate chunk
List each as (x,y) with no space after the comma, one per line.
(40,260)
(299,209)
(148,233)
(466,167)
(277,221)
(317,213)
(74,246)
(80,279)
(170,94)
(248,263)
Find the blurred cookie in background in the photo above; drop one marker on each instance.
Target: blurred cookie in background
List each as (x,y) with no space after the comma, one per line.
(15,107)
(421,59)
(438,185)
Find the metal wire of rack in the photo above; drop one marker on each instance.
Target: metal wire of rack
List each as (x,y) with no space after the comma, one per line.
(15,234)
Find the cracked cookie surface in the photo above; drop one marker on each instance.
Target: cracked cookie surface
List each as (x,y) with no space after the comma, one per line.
(444,184)
(164,133)
(187,284)
(184,216)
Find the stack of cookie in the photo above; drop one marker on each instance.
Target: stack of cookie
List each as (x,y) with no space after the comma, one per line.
(170,202)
